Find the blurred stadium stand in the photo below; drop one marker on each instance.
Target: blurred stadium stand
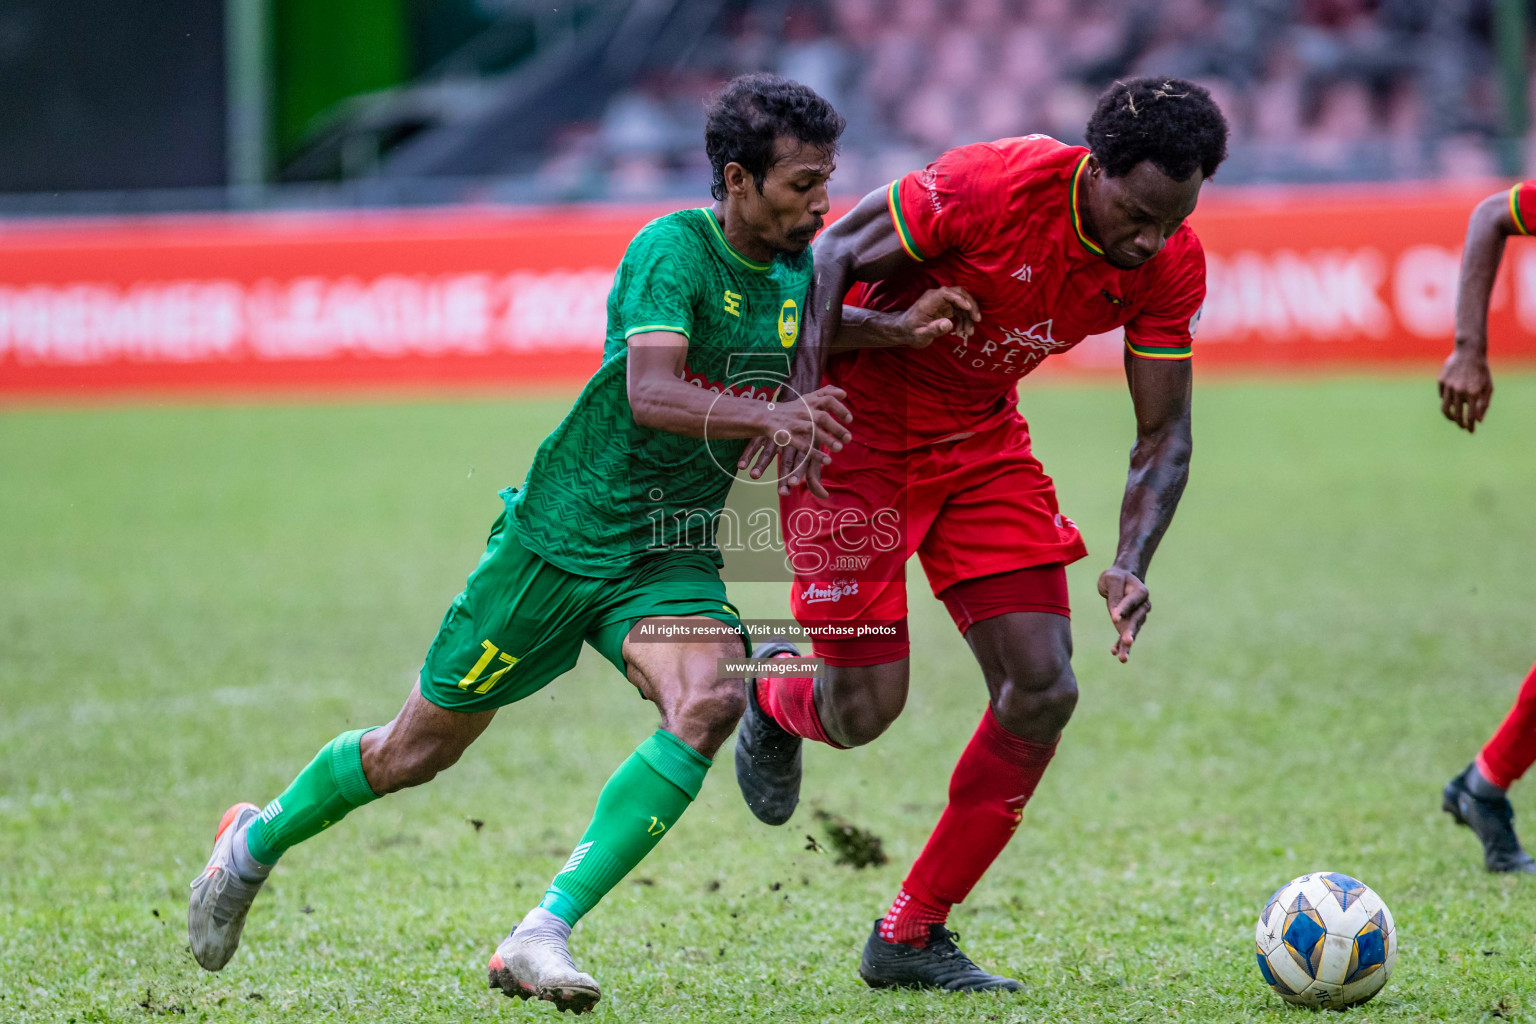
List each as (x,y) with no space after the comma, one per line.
(197,104)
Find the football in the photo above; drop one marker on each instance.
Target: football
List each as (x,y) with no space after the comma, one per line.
(1326,940)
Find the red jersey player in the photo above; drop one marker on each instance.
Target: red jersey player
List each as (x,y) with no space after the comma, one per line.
(1054,243)
(1476,798)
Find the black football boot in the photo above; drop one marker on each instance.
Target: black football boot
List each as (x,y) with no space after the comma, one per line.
(1492,819)
(940,964)
(767,755)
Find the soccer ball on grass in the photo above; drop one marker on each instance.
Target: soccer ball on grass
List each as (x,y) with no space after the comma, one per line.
(1326,941)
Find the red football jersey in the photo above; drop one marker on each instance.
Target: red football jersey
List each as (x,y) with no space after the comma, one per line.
(1001,220)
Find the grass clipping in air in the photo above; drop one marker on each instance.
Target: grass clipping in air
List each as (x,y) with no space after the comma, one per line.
(854,846)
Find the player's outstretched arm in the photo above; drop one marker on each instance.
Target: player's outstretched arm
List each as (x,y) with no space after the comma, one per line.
(861,245)
(1160,392)
(937,312)
(1466,385)
(660,398)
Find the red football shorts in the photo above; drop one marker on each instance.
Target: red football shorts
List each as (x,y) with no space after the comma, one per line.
(975,509)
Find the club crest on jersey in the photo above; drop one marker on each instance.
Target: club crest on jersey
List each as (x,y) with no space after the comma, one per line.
(789,323)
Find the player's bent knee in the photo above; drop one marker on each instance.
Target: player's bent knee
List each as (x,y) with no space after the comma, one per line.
(859,704)
(864,723)
(412,763)
(705,718)
(724,704)
(1036,703)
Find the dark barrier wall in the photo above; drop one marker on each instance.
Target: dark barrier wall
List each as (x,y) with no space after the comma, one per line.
(111,94)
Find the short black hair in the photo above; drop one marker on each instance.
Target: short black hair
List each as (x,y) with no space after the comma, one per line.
(1171,122)
(751,111)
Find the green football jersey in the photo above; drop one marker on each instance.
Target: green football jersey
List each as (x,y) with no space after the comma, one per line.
(604,492)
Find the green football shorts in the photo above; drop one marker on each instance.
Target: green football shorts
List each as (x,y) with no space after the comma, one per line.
(520,621)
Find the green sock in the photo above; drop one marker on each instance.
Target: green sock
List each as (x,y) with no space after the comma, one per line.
(639,804)
(324,792)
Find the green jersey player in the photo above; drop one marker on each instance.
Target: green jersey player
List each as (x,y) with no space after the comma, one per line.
(605,536)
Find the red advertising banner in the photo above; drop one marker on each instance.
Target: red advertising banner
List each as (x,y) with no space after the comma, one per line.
(496,297)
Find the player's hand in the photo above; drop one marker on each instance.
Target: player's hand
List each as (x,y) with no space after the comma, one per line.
(940,311)
(759,456)
(1466,388)
(804,432)
(1129,602)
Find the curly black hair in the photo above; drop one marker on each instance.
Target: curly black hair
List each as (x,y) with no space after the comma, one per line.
(751,111)
(1171,122)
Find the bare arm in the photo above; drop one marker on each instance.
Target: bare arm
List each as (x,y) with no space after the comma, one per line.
(660,398)
(862,245)
(1466,385)
(937,312)
(1160,392)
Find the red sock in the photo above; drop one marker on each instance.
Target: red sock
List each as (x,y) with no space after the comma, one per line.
(791,701)
(1513,748)
(993,781)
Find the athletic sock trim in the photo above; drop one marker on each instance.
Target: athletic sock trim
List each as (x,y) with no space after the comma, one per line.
(329,787)
(675,761)
(347,768)
(573,892)
(911,914)
(1485,782)
(246,864)
(791,702)
(256,846)
(639,804)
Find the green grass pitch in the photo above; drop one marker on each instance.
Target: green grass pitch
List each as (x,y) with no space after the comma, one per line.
(194,599)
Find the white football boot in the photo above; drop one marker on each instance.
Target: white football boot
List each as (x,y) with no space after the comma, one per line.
(220,897)
(534,962)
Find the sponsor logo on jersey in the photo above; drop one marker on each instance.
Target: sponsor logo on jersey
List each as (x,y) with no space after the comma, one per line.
(789,323)
(1036,339)
(929,179)
(1019,351)
(1194,321)
(763,393)
(822,593)
(1024,273)
(733,302)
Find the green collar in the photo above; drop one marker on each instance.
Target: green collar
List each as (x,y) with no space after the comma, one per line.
(730,250)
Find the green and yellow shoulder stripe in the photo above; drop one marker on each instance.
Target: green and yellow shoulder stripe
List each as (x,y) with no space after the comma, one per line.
(1521,196)
(903,231)
(1151,352)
